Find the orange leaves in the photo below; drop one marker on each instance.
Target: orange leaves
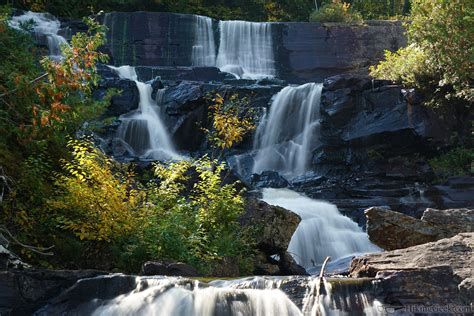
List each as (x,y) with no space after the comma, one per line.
(70,79)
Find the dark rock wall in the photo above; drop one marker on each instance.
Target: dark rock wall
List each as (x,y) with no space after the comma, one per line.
(304,51)
(312,51)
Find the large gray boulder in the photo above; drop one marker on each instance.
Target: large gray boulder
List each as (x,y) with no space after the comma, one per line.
(392,230)
(273,226)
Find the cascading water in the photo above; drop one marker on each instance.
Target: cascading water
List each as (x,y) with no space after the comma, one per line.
(246,49)
(323,231)
(142,131)
(288,133)
(44,25)
(204,48)
(254,296)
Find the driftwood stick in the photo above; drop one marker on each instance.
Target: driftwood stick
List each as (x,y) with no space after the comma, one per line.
(322,288)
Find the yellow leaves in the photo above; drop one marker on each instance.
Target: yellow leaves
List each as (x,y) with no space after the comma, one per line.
(98,200)
(230,125)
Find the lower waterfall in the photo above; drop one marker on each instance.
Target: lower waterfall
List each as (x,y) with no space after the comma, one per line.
(323,230)
(287,134)
(143,131)
(253,296)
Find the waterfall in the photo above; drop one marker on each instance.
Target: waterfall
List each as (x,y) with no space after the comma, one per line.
(44,25)
(323,230)
(204,48)
(287,134)
(253,296)
(143,130)
(246,49)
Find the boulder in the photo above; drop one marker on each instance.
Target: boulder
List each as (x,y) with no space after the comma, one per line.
(274,228)
(24,291)
(451,221)
(392,230)
(268,179)
(169,268)
(275,225)
(428,273)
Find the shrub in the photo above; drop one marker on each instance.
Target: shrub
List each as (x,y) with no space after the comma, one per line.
(407,65)
(98,199)
(337,11)
(197,225)
(442,48)
(232,120)
(458,161)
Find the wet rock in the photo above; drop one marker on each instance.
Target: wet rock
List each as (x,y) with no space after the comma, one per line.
(392,230)
(466,290)
(288,266)
(430,273)
(170,268)
(303,51)
(24,291)
(125,101)
(268,179)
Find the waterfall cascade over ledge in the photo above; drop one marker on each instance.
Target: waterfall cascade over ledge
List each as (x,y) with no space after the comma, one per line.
(289,131)
(142,131)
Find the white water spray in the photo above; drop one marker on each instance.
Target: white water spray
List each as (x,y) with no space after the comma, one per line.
(288,133)
(323,231)
(44,25)
(246,49)
(143,130)
(204,48)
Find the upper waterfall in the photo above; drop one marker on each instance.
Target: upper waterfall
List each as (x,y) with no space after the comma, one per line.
(143,130)
(246,49)
(204,48)
(287,134)
(44,24)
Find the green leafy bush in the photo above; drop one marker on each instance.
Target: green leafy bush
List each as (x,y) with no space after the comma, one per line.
(337,11)
(459,161)
(441,52)
(198,225)
(407,65)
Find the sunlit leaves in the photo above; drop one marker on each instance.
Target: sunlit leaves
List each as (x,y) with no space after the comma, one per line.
(231,121)
(98,199)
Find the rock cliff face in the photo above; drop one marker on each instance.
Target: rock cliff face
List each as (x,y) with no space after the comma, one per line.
(303,51)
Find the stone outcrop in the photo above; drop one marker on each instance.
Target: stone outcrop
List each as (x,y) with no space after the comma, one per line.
(392,230)
(274,226)
(303,51)
(429,273)
(24,291)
